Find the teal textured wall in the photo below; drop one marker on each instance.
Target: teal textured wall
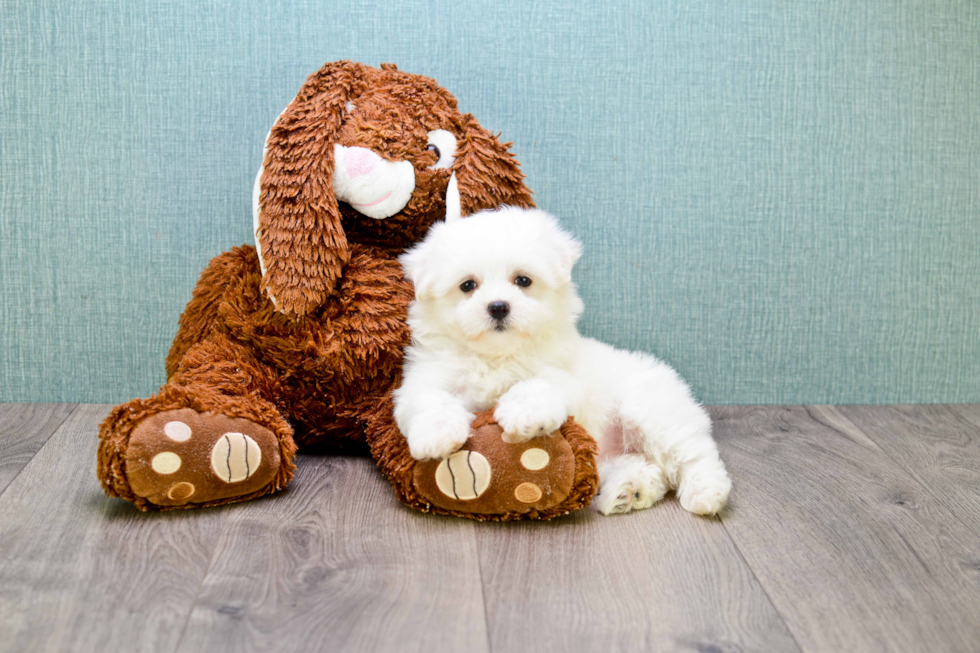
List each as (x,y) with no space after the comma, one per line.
(781,198)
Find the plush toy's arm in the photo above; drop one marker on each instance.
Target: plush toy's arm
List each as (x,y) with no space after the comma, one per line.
(434,421)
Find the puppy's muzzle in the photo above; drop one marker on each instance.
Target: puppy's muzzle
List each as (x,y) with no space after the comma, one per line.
(499,312)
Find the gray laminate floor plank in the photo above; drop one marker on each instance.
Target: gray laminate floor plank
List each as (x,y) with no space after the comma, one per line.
(24,428)
(938,445)
(336,563)
(970,412)
(654,580)
(832,542)
(82,572)
(831,417)
(855,554)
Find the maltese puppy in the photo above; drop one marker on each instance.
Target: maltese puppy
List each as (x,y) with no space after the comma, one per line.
(493,323)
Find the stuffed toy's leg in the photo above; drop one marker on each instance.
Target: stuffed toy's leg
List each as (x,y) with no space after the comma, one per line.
(490,478)
(212,435)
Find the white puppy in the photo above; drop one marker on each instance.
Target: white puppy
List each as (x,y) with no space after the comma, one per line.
(494,324)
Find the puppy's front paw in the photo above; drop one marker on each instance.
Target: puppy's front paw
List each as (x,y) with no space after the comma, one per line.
(439,435)
(531,408)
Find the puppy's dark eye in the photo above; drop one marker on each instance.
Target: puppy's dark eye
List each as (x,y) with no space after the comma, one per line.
(433,148)
(523,281)
(468,286)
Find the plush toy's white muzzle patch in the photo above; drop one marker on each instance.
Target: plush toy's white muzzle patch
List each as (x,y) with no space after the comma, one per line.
(373,186)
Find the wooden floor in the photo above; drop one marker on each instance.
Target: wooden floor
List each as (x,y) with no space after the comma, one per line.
(849,529)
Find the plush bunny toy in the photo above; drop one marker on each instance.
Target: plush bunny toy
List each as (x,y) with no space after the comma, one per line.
(298,341)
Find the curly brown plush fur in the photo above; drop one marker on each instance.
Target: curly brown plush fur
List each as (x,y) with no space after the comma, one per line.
(309,351)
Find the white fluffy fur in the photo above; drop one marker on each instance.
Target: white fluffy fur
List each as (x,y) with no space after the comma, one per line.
(535,367)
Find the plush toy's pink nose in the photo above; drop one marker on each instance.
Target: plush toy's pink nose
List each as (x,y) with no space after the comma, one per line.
(360,161)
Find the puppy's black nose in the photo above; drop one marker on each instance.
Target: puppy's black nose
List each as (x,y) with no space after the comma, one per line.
(498,310)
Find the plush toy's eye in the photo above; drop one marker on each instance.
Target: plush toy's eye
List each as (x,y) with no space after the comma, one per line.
(468,286)
(444,145)
(522,281)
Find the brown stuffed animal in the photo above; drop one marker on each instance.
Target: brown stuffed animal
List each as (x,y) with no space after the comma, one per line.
(298,341)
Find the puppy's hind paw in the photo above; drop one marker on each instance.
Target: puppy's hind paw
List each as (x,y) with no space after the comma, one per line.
(629,485)
(705,495)
(610,504)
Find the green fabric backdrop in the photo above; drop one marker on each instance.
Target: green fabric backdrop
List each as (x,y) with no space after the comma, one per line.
(781,198)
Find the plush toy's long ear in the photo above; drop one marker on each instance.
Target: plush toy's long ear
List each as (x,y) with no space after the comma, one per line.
(301,242)
(487,174)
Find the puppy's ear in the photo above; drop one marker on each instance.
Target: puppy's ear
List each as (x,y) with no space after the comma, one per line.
(487,174)
(567,250)
(300,239)
(418,269)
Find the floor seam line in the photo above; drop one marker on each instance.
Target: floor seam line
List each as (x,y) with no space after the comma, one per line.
(483,590)
(806,409)
(765,592)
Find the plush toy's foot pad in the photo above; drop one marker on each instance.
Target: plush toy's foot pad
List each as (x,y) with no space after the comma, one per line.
(179,457)
(493,476)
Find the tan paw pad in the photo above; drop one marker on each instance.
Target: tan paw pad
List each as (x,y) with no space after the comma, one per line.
(527,493)
(235,457)
(177,431)
(165,463)
(535,459)
(465,475)
(181,491)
